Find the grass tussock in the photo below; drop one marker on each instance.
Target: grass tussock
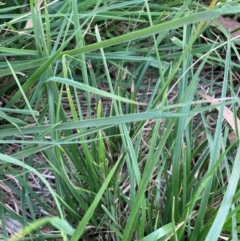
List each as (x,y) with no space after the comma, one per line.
(119,120)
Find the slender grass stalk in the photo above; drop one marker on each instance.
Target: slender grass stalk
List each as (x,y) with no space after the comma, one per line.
(119,121)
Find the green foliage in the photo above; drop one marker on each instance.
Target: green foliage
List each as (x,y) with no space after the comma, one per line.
(104,134)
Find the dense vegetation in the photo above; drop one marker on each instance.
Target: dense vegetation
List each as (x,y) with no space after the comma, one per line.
(119,120)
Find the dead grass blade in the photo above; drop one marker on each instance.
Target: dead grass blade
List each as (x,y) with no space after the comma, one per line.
(228,115)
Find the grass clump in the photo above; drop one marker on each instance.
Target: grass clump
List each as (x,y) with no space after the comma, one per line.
(119,121)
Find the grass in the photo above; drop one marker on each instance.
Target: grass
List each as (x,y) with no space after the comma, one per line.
(119,121)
